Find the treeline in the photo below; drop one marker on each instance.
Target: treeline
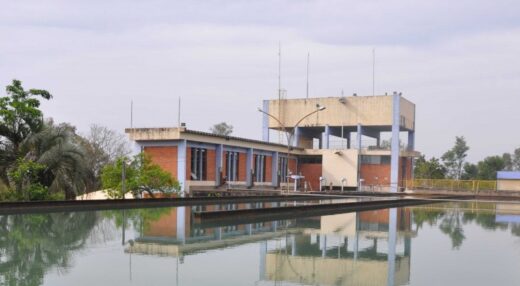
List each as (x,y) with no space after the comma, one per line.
(453,165)
(41,159)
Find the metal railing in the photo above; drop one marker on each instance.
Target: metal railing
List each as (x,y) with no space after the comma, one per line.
(453,185)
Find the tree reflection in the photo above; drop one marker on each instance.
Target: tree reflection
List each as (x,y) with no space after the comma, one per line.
(452,218)
(30,245)
(139,219)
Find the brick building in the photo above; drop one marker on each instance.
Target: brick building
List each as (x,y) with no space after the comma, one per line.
(338,147)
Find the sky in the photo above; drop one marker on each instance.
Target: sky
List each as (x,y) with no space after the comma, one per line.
(458,61)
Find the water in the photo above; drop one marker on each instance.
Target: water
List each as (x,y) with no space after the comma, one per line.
(464,243)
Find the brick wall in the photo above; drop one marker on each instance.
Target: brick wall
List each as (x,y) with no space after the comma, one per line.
(375,174)
(211,165)
(312,174)
(268,169)
(165,157)
(188,163)
(242,168)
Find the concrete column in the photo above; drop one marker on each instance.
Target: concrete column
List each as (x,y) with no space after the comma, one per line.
(274,169)
(263,251)
(296,137)
(348,140)
(181,224)
(411,140)
(265,121)
(249,167)
(219,155)
(394,162)
(181,165)
(326,137)
(392,239)
(378,140)
(359,136)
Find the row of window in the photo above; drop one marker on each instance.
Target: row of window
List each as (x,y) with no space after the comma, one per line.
(375,160)
(199,163)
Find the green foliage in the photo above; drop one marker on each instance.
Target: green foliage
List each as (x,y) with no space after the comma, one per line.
(38,160)
(32,245)
(487,169)
(431,169)
(470,171)
(516,160)
(454,158)
(141,175)
(222,128)
(19,113)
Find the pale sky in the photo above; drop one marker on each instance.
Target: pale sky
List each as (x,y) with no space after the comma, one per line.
(458,61)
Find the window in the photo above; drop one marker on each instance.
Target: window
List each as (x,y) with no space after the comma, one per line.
(232,166)
(259,168)
(198,164)
(375,160)
(310,160)
(282,169)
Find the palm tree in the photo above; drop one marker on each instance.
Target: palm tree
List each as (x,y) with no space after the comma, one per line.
(57,148)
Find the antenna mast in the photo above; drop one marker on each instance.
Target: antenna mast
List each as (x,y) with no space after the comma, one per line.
(131,114)
(179,114)
(374,71)
(279,88)
(308,59)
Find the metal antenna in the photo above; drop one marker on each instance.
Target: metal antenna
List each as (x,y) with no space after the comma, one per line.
(373,71)
(308,59)
(280,87)
(179,114)
(131,114)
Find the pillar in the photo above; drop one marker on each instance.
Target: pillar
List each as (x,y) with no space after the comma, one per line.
(181,223)
(265,121)
(392,239)
(326,137)
(249,167)
(348,140)
(296,137)
(359,136)
(394,161)
(411,140)
(274,169)
(219,155)
(181,165)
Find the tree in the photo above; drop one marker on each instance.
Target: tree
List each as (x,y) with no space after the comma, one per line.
(34,244)
(431,169)
(141,175)
(454,158)
(487,168)
(102,147)
(470,171)
(508,161)
(20,117)
(516,160)
(222,128)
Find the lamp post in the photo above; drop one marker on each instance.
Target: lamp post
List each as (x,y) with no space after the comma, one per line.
(290,134)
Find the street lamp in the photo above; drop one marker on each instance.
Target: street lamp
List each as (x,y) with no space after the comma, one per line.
(291,134)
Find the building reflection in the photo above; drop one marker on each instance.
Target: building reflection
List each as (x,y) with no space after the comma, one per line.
(365,248)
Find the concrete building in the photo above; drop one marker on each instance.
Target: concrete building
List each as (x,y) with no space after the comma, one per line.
(200,159)
(508,181)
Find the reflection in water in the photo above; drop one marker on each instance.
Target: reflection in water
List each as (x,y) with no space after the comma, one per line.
(364,248)
(30,245)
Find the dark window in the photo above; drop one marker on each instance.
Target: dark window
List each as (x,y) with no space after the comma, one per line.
(310,160)
(232,166)
(282,169)
(259,168)
(375,160)
(198,164)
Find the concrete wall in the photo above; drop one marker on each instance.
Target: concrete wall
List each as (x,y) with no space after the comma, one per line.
(338,166)
(365,110)
(508,185)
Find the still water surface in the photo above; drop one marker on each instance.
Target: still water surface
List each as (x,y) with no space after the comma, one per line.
(439,244)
